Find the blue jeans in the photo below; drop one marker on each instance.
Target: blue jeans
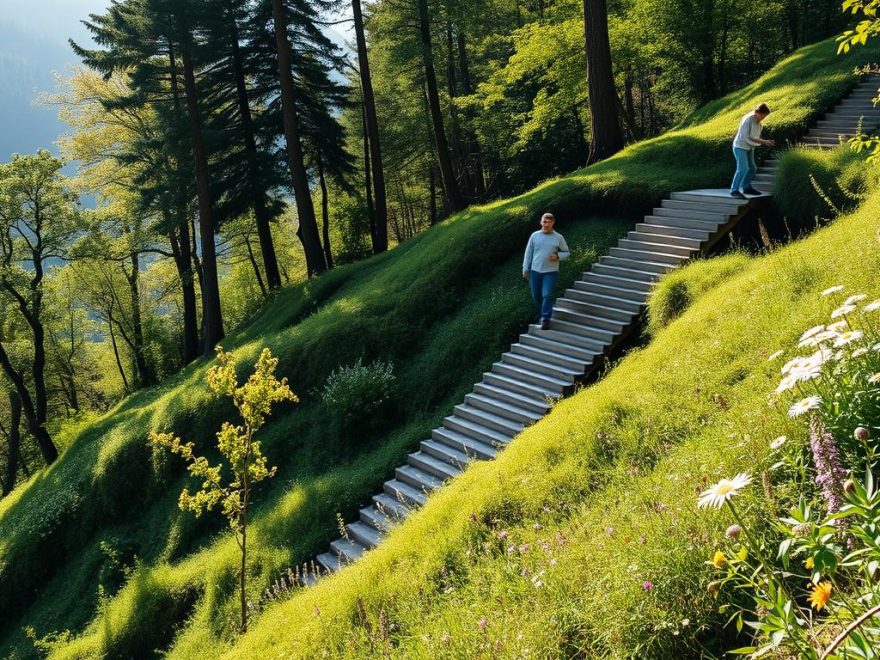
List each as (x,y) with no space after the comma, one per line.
(745,169)
(542,285)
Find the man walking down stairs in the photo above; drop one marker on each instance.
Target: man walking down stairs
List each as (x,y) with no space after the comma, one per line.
(544,251)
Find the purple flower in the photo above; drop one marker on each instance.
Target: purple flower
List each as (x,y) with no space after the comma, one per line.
(647,585)
(502,535)
(830,476)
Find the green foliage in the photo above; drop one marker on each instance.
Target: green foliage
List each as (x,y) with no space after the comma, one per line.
(362,398)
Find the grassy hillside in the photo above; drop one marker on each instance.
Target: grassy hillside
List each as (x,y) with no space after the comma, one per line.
(584,538)
(440,307)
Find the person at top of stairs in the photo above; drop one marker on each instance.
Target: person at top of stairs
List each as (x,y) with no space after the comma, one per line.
(545,249)
(744,142)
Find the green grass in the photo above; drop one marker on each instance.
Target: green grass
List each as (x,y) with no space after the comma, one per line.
(441,307)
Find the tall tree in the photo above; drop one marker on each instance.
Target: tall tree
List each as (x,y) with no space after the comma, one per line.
(444,159)
(606,136)
(38,217)
(308,226)
(13,442)
(380,204)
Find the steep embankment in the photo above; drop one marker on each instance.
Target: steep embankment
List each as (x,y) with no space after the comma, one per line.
(441,307)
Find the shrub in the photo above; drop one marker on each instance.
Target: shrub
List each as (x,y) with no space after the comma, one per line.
(362,397)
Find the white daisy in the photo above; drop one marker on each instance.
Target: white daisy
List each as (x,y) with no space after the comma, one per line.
(875,378)
(832,289)
(843,310)
(848,337)
(776,444)
(775,355)
(872,307)
(837,326)
(791,364)
(723,491)
(859,352)
(808,373)
(854,299)
(812,331)
(804,405)
(787,383)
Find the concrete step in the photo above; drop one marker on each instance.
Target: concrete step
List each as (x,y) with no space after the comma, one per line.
(445,454)
(477,430)
(530,377)
(422,481)
(538,366)
(329,561)
(685,223)
(390,506)
(404,493)
(519,387)
(693,196)
(598,294)
(552,357)
(614,281)
(348,550)
(534,404)
(590,324)
(665,239)
(716,217)
(720,206)
(577,347)
(503,428)
(685,232)
(832,134)
(432,465)
(633,264)
(376,519)
(581,308)
(366,535)
(464,443)
(503,408)
(664,248)
(647,254)
(627,273)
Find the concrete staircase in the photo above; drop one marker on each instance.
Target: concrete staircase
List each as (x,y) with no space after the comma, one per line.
(590,318)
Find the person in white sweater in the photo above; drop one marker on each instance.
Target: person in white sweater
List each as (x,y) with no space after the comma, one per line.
(544,251)
(747,138)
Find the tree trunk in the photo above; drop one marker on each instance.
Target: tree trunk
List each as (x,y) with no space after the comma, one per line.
(255,266)
(212,316)
(432,191)
(607,138)
(144,372)
(368,180)
(258,196)
(475,161)
(14,440)
(116,352)
(458,153)
(444,160)
(315,262)
(380,236)
(325,213)
(35,427)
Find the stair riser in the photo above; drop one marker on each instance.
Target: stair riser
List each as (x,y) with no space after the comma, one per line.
(346,555)
(375,519)
(442,472)
(529,377)
(621,316)
(507,396)
(328,563)
(682,232)
(625,299)
(504,428)
(444,455)
(403,497)
(476,452)
(718,208)
(625,273)
(613,283)
(500,410)
(518,387)
(684,223)
(368,540)
(552,358)
(696,197)
(525,362)
(676,241)
(659,269)
(595,330)
(578,353)
(674,250)
(706,216)
(410,480)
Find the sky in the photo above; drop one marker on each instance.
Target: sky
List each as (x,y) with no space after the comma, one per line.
(33,48)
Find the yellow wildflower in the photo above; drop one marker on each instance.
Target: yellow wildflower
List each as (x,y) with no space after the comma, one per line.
(820,595)
(810,564)
(718,560)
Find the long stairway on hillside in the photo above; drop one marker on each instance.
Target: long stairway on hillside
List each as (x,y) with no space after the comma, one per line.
(589,320)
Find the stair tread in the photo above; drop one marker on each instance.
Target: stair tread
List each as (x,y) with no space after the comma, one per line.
(347,549)
(540,394)
(407,490)
(510,426)
(526,373)
(453,436)
(366,534)
(329,561)
(447,469)
(530,361)
(579,342)
(534,416)
(461,458)
(425,479)
(522,399)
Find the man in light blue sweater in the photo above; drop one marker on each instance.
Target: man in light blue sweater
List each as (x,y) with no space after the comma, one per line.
(747,137)
(544,251)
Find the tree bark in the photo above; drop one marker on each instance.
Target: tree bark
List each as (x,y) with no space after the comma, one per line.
(458,151)
(380,235)
(144,372)
(315,262)
(606,138)
(212,316)
(35,427)
(14,440)
(444,160)
(475,161)
(368,180)
(258,196)
(325,213)
(255,266)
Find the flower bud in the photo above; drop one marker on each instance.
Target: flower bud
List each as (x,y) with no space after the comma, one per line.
(849,486)
(861,434)
(714,587)
(733,532)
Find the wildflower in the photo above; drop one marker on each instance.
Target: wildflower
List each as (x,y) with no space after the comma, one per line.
(837,326)
(820,595)
(791,364)
(511,549)
(832,289)
(647,585)
(775,355)
(787,383)
(854,299)
(804,529)
(845,338)
(843,310)
(524,548)
(816,340)
(872,307)
(714,587)
(733,532)
(859,352)
(444,638)
(806,373)
(776,444)
(812,331)
(482,623)
(875,378)
(537,527)
(502,535)
(829,474)
(724,490)
(718,559)
(804,405)
(861,434)
(810,564)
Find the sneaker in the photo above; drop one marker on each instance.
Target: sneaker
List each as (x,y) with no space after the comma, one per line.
(737,194)
(752,191)
(545,324)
